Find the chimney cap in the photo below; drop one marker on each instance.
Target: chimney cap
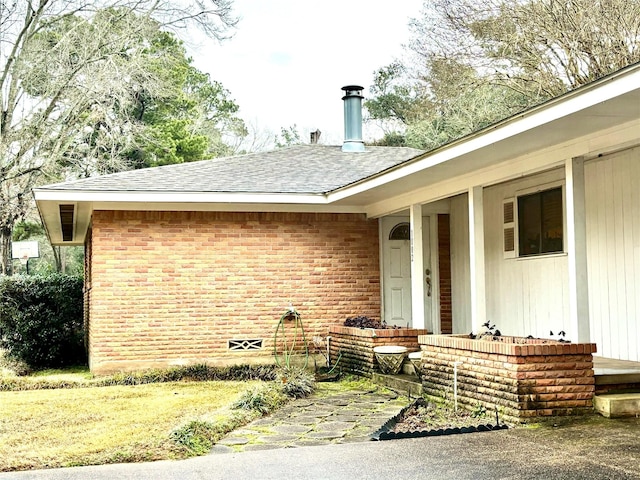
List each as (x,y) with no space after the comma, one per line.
(352,87)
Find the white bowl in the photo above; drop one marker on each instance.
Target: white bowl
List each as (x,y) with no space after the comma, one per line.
(390,349)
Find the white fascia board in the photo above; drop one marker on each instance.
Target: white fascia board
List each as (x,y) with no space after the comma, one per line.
(228,207)
(44,194)
(555,109)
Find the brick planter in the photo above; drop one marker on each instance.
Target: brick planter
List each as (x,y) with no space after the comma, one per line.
(524,378)
(356,345)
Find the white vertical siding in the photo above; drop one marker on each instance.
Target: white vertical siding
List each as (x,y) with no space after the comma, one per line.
(613,252)
(525,296)
(460,276)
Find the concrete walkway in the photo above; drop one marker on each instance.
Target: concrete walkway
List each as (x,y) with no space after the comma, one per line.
(332,415)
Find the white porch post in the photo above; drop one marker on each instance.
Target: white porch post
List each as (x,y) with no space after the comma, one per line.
(576,244)
(476,257)
(417,268)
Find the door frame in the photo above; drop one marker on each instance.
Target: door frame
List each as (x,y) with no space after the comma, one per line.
(430,228)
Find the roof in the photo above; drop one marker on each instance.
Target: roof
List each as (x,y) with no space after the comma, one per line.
(587,122)
(305,169)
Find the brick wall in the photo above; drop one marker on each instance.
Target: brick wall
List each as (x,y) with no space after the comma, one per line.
(356,346)
(173,287)
(523,378)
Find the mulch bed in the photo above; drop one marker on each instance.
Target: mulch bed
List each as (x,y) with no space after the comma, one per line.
(425,419)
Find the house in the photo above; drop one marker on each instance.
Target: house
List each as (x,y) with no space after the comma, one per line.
(532,223)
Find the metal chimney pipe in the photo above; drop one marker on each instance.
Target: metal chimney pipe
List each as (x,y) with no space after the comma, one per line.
(352,119)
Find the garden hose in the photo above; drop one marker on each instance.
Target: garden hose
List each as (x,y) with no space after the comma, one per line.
(288,351)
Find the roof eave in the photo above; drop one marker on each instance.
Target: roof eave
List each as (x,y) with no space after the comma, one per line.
(85,203)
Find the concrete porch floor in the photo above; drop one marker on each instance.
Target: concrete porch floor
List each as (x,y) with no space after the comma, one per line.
(610,371)
(612,366)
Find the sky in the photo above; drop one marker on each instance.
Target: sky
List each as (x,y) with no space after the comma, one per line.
(289,59)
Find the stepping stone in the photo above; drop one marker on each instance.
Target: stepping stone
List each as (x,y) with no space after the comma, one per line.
(328,435)
(320,412)
(337,402)
(360,432)
(277,439)
(262,446)
(217,449)
(247,431)
(301,403)
(360,392)
(355,439)
(380,401)
(305,420)
(263,421)
(365,405)
(389,412)
(234,441)
(343,418)
(291,429)
(353,412)
(312,442)
(333,426)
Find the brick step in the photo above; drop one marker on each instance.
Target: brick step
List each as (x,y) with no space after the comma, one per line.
(401,383)
(614,405)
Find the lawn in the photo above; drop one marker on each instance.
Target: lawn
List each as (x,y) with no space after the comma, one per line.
(96,425)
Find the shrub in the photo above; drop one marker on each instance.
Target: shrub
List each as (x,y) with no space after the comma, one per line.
(41,320)
(263,399)
(296,382)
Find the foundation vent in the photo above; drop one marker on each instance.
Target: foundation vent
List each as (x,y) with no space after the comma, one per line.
(245,344)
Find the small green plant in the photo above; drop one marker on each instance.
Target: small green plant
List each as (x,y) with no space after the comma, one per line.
(262,399)
(479,411)
(199,436)
(295,382)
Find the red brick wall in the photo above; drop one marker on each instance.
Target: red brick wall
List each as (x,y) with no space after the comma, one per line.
(354,346)
(173,287)
(444,266)
(524,379)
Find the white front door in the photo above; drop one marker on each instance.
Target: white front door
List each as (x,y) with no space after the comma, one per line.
(396,258)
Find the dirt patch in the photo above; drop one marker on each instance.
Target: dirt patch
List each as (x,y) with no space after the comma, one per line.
(429,416)
(422,419)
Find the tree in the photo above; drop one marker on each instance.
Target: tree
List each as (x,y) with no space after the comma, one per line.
(474,63)
(540,48)
(191,118)
(288,136)
(68,70)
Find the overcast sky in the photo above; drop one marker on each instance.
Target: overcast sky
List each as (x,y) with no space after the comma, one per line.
(288,59)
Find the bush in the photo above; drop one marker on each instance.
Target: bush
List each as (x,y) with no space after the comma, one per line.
(296,382)
(263,399)
(41,320)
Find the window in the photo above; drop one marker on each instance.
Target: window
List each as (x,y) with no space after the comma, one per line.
(540,228)
(400,232)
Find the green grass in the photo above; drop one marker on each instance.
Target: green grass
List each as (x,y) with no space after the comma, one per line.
(63,427)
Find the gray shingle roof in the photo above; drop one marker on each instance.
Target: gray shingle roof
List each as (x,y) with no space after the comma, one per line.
(308,169)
